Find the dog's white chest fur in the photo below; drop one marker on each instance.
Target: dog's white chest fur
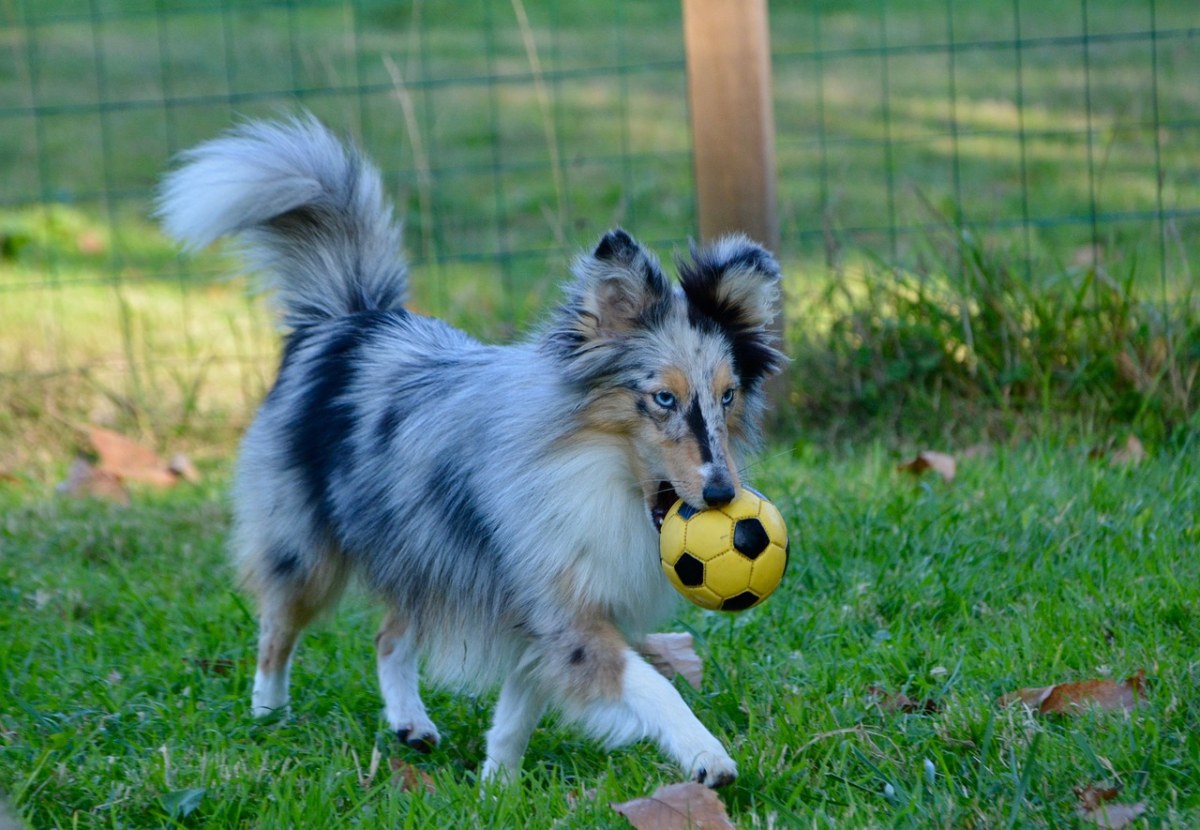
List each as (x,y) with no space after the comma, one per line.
(597,538)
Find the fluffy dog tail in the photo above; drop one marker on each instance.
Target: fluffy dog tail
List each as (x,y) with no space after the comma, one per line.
(308,210)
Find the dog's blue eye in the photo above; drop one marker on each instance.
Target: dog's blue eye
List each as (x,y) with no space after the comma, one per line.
(665,399)
(727,398)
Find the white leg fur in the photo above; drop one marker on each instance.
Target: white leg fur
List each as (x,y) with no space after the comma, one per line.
(398,683)
(651,707)
(270,691)
(518,710)
(276,645)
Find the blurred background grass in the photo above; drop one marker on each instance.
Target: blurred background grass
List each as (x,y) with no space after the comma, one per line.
(984,206)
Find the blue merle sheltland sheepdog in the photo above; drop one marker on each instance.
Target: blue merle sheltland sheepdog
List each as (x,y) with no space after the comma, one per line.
(503,501)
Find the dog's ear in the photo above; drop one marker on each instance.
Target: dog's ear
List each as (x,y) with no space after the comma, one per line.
(617,286)
(733,284)
(618,289)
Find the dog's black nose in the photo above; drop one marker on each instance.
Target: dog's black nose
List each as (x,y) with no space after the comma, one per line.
(718,493)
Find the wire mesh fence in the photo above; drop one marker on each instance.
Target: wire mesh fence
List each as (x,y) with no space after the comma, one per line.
(1066,130)
(512,132)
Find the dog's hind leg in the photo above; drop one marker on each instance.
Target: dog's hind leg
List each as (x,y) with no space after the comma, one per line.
(396,651)
(291,593)
(518,710)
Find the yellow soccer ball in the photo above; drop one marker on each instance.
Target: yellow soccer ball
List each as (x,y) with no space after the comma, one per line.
(728,558)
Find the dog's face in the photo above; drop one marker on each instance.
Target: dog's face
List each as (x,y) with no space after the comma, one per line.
(677,370)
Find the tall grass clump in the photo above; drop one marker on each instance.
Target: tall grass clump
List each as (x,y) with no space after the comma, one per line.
(970,341)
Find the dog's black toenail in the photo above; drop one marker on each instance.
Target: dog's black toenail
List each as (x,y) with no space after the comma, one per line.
(402,734)
(422,745)
(701,774)
(722,780)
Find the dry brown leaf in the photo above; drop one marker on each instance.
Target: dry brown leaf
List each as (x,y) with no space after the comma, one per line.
(1114,816)
(1093,795)
(183,467)
(220,665)
(127,459)
(1093,807)
(1130,454)
(673,653)
(1069,698)
(900,702)
(940,462)
(84,480)
(408,778)
(688,806)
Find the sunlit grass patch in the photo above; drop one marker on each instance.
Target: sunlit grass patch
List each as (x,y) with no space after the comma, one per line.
(130,655)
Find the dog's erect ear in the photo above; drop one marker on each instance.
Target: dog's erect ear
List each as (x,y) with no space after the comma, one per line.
(617,286)
(733,284)
(618,290)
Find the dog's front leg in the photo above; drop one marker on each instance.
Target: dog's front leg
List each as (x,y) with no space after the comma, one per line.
(650,706)
(617,696)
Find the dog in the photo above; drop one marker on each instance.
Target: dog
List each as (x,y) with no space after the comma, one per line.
(502,500)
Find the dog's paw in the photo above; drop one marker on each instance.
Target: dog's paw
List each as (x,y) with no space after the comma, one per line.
(495,772)
(422,737)
(270,714)
(713,769)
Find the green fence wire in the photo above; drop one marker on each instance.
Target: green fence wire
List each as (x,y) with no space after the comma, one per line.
(1064,131)
(512,132)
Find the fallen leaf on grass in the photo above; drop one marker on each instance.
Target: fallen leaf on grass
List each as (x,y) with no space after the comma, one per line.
(900,702)
(128,460)
(408,778)
(688,806)
(673,653)
(220,665)
(1092,796)
(1130,454)
(85,480)
(1069,698)
(940,462)
(1093,807)
(183,467)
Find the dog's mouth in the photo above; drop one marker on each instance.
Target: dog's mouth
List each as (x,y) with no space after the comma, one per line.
(662,501)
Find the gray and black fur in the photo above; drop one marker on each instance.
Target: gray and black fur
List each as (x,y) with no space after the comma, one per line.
(501,500)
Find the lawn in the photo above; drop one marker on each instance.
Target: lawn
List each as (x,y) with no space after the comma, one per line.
(127,651)
(891,119)
(129,654)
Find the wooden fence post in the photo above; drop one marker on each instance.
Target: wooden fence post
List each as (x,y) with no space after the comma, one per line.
(733,124)
(733,130)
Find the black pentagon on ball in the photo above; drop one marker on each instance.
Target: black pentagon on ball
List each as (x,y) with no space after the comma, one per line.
(750,537)
(686,511)
(740,602)
(690,570)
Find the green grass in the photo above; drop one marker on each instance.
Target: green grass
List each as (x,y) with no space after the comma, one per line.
(1037,565)
(972,343)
